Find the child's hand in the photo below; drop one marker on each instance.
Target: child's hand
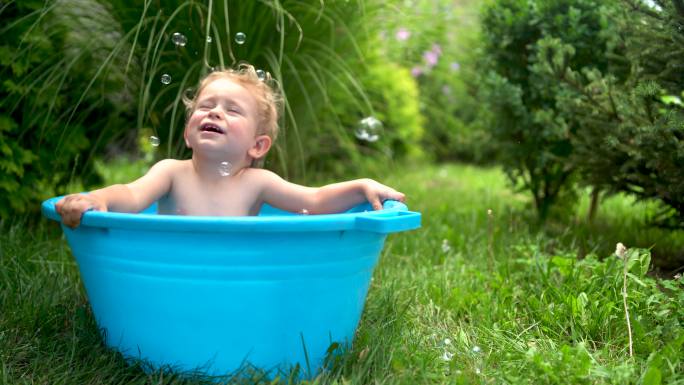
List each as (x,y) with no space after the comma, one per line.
(72,207)
(376,193)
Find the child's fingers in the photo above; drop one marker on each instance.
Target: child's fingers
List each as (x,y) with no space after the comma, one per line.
(397,196)
(375,202)
(394,195)
(72,208)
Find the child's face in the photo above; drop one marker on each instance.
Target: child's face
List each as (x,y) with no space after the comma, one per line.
(224,122)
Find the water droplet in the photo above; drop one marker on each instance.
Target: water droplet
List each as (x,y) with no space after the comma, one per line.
(476,349)
(240,38)
(305,212)
(179,39)
(166,79)
(154,141)
(225,168)
(447,356)
(261,74)
(368,129)
(447,341)
(209,39)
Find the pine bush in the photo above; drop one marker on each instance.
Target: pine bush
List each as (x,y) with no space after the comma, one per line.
(631,118)
(531,134)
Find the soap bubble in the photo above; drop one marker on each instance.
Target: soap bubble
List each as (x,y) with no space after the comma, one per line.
(240,38)
(225,168)
(209,39)
(154,141)
(179,39)
(261,74)
(166,79)
(368,129)
(476,349)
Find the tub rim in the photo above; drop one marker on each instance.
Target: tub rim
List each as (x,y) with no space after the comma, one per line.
(394,217)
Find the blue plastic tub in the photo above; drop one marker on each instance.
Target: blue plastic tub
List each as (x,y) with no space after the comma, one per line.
(216,293)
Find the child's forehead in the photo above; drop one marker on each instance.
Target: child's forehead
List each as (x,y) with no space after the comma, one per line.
(224,86)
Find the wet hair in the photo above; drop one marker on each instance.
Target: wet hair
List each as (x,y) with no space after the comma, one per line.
(264,90)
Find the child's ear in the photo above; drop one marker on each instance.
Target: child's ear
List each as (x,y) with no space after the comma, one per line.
(261,146)
(185,137)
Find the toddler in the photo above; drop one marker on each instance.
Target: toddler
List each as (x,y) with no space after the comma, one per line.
(231,124)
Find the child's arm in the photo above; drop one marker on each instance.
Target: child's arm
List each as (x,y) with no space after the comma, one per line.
(131,197)
(332,198)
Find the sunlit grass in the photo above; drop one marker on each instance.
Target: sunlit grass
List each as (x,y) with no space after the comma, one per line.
(468,298)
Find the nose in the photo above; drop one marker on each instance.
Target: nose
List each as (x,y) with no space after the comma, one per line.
(215,112)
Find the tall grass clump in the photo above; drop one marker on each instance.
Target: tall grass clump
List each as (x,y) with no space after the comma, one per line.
(82,80)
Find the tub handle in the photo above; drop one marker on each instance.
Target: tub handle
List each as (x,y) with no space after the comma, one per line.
(397,221)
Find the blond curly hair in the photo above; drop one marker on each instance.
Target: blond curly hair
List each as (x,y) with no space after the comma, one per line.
(264,89)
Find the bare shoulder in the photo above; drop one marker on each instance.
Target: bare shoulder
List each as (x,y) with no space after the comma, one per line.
(260,175)
(170,166)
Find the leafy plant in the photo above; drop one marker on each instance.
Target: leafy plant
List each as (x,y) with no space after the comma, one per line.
(437,41)
(531,133)
(56,107)
(631,132)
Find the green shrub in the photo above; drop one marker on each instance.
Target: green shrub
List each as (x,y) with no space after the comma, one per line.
(531,134)
(631,132)
(56,106)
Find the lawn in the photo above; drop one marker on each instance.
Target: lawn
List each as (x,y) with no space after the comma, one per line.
(480,294)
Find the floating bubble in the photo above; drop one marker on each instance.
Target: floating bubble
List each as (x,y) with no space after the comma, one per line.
(240,38)
(225,168)
(261,74)
(476,349)
(179,39)
(154,141)
(447,341)
(166,79)
(368,129)
(209,39)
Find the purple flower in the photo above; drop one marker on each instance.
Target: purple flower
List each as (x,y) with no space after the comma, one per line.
(416,71)
(431,58)
(437,49)
(455,66)
(402,34)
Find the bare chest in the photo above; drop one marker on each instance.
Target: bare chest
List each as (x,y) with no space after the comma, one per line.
(189,197)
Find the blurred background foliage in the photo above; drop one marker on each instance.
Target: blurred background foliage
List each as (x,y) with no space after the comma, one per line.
(563,94)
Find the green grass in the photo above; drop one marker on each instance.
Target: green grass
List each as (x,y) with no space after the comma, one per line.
(468,298)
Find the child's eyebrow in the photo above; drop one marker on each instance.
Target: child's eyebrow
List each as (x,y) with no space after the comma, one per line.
(213,98)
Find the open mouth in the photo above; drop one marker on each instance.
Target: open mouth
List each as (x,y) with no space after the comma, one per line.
(210,127)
